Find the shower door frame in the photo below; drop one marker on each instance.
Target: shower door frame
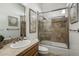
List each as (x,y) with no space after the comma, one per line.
(38,14)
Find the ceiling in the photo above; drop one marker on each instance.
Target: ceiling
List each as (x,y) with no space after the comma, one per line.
(51,6)
(44,7)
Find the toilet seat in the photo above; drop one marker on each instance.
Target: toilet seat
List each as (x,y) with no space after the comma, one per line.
(43,50)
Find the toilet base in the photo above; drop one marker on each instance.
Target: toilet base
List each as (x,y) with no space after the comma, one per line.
(42,54)
(43,50)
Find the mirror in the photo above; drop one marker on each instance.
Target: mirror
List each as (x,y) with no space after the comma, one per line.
(32,21)
(12,17)
(74,13)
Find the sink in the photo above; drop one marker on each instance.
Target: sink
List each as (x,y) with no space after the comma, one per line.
(20,44)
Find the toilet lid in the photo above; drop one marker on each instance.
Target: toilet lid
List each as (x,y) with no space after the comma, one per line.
(41,48)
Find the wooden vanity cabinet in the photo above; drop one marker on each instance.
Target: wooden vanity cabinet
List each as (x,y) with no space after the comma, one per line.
(31,51)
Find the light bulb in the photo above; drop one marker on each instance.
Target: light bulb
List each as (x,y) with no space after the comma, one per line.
(63,11)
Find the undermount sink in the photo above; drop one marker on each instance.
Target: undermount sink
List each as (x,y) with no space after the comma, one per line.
(20,44)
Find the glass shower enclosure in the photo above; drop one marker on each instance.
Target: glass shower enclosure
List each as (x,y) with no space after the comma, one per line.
(53,28)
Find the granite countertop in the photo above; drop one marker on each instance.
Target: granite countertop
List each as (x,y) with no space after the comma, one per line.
(8,51)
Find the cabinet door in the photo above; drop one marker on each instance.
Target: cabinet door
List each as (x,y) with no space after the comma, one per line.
(31,51)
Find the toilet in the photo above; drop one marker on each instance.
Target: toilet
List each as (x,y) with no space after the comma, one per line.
(43,50)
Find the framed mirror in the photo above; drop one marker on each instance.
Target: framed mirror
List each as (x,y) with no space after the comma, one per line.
(32,21)
(74,13)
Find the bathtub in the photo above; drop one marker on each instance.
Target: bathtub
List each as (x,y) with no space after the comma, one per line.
(56,44)
(56,48)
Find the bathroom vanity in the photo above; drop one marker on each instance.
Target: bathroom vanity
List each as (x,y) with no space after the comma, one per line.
(13,25)
(29,50)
